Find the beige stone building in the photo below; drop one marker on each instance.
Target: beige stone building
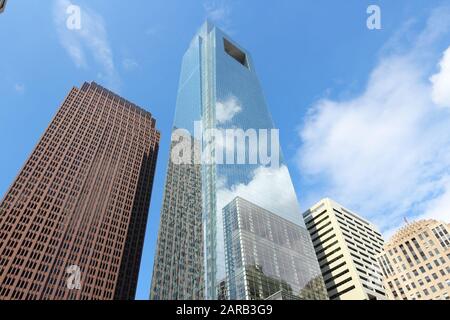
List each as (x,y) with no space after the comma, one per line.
(416,262)
(346,247)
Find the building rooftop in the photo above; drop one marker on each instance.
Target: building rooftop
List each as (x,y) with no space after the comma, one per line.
(410,230)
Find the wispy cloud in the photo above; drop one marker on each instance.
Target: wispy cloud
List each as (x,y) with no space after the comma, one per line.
(386,152)
(89,42)
(152,31)
(219,12)
(441,82)
(19,88)
(129,64)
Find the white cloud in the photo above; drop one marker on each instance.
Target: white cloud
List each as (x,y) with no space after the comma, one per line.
(269,188)
(152,31)
(439,207)
(441,82)
(386,152)
(227,110)
(219,11)
(19,88)
(90,41)
(129,64)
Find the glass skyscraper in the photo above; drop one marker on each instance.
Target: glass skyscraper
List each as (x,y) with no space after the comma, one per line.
(226,139)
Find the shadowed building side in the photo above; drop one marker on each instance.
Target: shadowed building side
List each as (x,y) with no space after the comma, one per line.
(178,265)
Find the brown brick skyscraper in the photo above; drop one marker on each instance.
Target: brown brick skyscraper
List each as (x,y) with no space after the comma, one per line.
(81,203)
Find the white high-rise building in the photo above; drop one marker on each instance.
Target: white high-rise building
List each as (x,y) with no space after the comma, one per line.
(346,247)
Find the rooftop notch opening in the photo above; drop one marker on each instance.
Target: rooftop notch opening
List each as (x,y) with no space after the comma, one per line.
(235,52)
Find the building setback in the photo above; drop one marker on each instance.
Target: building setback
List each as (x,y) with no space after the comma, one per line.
(416,262)
(72,223)
(346,247)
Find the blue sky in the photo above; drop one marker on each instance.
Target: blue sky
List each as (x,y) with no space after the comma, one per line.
(363,114)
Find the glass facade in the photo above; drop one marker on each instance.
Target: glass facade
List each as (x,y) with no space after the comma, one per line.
(219,90)
(265,256)
(178,264)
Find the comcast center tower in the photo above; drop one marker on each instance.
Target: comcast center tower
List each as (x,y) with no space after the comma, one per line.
(231,227)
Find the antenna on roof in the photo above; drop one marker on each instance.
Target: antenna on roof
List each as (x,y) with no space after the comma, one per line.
(406,220)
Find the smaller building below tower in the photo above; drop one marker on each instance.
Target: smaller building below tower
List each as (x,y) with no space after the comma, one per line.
(264,256)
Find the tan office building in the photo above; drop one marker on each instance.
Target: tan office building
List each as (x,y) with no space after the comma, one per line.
(416,262)
(346,247)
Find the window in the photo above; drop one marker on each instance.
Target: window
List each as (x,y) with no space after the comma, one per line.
(235,52)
